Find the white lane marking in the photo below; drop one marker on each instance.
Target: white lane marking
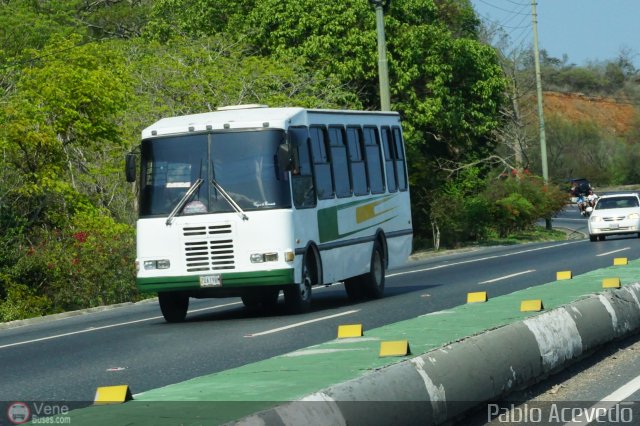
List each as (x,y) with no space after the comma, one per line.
(87,330)
(601,408)
(299,324)
(507,276)
(484,258)
(615,251)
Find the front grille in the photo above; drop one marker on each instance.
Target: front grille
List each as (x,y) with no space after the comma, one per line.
(209,248)
(613,219)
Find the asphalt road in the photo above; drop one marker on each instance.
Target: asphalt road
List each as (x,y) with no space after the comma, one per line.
(67,359)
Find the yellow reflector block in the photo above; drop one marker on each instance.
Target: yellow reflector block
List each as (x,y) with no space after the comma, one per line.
(611,283)
(112,394)
(563,275)
(351,330)
(395,348)
(531,306)
(479,296)
(620,261)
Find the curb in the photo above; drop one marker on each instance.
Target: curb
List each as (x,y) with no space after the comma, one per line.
(69,314)
(444,383)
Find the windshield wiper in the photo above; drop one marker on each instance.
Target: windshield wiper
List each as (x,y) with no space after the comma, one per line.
(229,200)
(184,200)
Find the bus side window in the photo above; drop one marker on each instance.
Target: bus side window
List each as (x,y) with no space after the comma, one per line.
(389,159)
(356,161)
(339,165)
(321,165)
(400,159)
(304,194)
(372,156)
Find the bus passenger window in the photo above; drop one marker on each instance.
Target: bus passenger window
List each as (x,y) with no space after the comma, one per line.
(339,165)
(304,193)
(389,160)
(356,161)
(372,156)
(321,165)
(401,168)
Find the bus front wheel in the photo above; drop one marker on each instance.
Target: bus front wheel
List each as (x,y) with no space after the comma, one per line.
(373,281)
(297,297)
(173,306)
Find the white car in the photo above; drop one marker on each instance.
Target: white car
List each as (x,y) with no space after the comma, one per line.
(615,215)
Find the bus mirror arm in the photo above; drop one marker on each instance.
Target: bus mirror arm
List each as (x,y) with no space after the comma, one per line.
(130,167)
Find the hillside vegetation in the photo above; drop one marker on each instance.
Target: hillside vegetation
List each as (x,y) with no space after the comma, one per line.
(79,79)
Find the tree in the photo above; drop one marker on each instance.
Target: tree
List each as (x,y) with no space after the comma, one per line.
(64,108)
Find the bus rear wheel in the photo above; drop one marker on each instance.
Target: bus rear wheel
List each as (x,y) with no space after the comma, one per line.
(297,297)
(174,306)
(354,287)
(373,281)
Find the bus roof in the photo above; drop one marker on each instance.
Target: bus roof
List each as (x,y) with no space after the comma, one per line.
(260,116)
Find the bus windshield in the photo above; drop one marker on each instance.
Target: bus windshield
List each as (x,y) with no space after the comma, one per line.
(243,164)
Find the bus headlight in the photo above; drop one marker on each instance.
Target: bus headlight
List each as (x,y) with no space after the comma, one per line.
(263,257)
(157,264)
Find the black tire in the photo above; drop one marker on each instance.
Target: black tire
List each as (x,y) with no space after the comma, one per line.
(269,298)
(593,238)
(250,301)
(354,286)
(601,237)
(373,281)
(297,297)
(174,306)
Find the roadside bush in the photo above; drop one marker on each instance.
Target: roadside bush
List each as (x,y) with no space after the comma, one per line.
(518,201)
(20,301)
(512,213)
(89,263)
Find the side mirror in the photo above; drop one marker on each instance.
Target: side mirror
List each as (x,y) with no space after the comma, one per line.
(130,167)
(285,157)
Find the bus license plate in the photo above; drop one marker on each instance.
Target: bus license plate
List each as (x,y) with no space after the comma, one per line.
(210,281)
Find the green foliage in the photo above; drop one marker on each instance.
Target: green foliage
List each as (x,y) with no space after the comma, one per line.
(21,302)
(63,110)
(89,263)
(582,149)
(473,209)
(517,202)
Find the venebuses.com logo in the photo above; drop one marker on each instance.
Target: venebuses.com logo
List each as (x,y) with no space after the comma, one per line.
(37,412)
(18,413)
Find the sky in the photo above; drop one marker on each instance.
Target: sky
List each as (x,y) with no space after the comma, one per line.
(585,30)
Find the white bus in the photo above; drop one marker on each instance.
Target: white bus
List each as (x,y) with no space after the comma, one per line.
(249,200)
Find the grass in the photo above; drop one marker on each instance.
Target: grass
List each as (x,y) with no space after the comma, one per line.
(537,234)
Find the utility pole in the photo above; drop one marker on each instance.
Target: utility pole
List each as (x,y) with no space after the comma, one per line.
(383,72)
(543,140)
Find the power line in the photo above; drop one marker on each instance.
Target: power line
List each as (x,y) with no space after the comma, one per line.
(503,9)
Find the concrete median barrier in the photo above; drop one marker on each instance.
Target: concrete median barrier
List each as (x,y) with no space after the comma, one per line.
(442,384)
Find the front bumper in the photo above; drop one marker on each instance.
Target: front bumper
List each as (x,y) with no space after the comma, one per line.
(614,228)
(229,282)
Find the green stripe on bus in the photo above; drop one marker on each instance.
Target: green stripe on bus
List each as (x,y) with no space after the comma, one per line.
(328,218)
(229,279)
